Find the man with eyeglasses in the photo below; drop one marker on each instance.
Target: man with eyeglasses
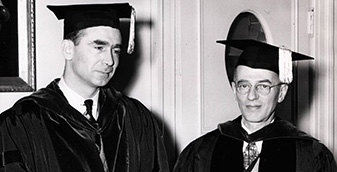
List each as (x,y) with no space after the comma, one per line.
(258,140)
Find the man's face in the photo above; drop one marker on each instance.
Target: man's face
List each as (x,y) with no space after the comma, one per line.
(254,106)
(94,60)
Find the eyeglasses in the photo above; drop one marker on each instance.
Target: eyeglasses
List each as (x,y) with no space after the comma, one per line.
(263,89)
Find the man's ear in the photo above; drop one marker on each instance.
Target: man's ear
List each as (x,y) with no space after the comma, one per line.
(234,90)
(233,87)
(283,92)
(68,49)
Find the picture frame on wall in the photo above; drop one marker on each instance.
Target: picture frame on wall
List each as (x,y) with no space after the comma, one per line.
(17,46)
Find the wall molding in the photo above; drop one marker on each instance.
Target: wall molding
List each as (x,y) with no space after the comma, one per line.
(324,98)
(335,78)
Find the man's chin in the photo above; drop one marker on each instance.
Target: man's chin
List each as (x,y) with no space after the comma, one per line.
(252,118)
(102,82)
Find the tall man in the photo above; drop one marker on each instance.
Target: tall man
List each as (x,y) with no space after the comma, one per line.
(258,140)
(78,122)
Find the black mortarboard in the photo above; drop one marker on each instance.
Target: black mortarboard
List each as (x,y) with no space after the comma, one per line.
(81,16)
(261,55)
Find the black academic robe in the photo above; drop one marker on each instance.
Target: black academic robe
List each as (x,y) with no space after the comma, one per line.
(284,149)
(43,133)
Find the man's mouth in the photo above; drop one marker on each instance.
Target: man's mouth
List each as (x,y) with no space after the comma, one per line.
(253,107)
(107,71)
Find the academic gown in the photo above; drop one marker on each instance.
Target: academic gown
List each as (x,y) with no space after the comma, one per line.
(43,133)
(284,149)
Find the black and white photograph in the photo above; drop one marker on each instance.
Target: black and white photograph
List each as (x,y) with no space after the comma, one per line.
(168,85)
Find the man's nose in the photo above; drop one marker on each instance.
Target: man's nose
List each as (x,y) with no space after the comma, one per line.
(109,59)
(252,93)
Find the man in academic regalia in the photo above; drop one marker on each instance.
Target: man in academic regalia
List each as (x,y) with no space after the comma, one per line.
(258,140)
(78,122)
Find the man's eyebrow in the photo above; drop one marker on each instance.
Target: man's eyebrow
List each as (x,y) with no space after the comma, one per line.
(265,80)
(261,81)
(240,81)
(117,46)
(100,42)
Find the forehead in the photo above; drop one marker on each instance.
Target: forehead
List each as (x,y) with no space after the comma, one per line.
(254,75)
(104,33)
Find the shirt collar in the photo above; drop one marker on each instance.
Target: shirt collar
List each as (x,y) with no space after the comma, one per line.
(75,100)
(249,131)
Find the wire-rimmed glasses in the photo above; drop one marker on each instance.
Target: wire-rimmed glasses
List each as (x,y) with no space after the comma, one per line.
(263,89)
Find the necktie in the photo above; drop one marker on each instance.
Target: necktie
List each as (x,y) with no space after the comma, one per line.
(98,139)
(88,104)
(250,155)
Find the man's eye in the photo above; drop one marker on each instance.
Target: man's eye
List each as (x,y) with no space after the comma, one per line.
(117,50)
(100,48)
(244,85)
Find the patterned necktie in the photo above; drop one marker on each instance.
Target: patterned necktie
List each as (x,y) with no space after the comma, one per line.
(250,154)
(88,104)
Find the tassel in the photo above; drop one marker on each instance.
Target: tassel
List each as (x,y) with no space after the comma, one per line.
(285,65)
(131,44)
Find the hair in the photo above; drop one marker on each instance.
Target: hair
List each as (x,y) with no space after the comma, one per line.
(75,36)
(234,78)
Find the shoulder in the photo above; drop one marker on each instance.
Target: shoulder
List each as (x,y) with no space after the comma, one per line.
(33,103)
(133,103)
(122,99)
(22,116)
(21,107)
(133,111)
(130,105)
(312,154)
(315,152)
(323,155)
(208,138)
(201,144)
(196,155)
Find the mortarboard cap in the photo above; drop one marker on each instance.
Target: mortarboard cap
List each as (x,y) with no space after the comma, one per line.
(261,55)
(81,16)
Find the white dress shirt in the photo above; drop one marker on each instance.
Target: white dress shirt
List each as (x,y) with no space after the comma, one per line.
(77,101)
